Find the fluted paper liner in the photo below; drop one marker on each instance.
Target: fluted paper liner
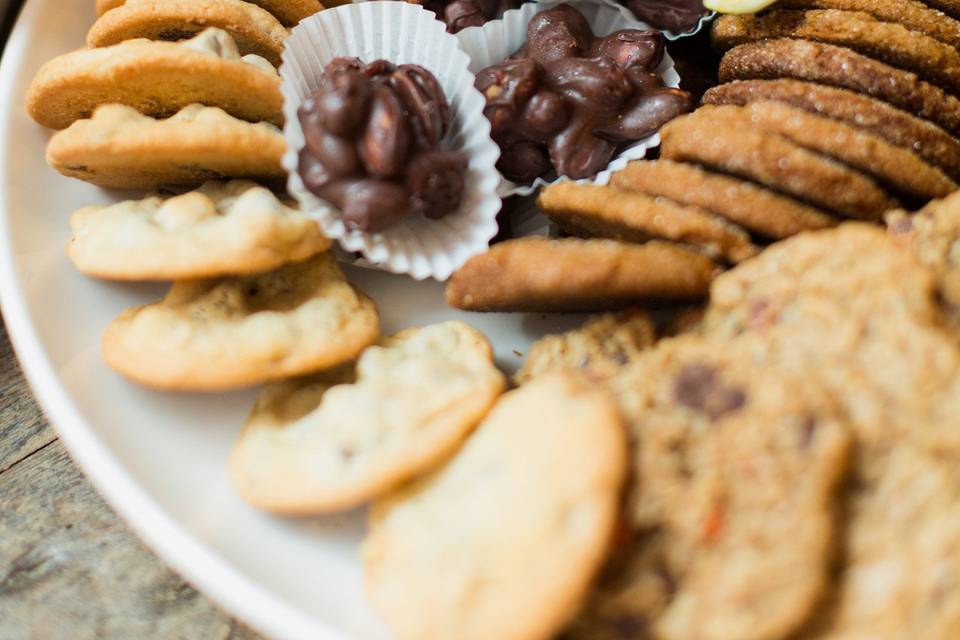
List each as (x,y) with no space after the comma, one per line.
(401,33)
(495,41)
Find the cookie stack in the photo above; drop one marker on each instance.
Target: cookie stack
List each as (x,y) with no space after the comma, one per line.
(169,93)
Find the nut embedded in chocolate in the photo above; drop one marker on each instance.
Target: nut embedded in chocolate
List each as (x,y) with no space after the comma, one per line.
(568,100)
(372,144)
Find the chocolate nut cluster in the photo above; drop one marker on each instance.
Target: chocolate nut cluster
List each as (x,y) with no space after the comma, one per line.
(673,15)
(460,14)
(568,101)
(373,134)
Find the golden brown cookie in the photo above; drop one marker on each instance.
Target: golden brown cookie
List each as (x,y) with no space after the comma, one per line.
(841,67)
(338,439)
(732,505)
(894,44)
(608,212)
(253,29)
(758,209)
(912,14)
(289,12)
(121,149)
(158,79)
(891,165)
(600,349)
(504,541)
(776,162)
(222,228)
(539,274)
(929,141)
(211,335)
(949,7)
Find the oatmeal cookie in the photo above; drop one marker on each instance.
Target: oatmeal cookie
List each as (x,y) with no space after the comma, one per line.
(841,67)
(119,148)
(760,210)
(898,127)
(437,562)
(539,274)
(254,30)
(608,212)
(211,335)
(157,79)
(288,12)
(222,228)
(775,162)
(338,439)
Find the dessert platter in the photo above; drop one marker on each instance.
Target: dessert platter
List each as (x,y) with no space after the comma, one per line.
(498,319)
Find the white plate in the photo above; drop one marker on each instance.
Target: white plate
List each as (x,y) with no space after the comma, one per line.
(158,458)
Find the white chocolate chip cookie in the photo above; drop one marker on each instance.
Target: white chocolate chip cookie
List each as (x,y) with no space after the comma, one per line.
(254,30)
(220,229)
(122,149)
(504,540)
(312,447)
(158,79)
(208,335)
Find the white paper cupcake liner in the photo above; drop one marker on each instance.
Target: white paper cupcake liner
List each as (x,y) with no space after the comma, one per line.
(401,33)
(495,41)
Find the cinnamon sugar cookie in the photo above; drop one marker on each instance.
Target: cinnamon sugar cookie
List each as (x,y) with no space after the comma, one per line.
(929,141)
(538,274)
(841,67)
(121,149)
(288,12)
(335,440)
(892,43)
(212,335)
(158,79)
(254,30)
(758,209)
(892,165)
(609,212)
(775,162)
(220,229)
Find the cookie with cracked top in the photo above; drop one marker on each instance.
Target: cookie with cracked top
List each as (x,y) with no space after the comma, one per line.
(841,67)
(254,30)
(158,79)
(608,212)
(775,162)
(898,127)
(745,203)
(540,274)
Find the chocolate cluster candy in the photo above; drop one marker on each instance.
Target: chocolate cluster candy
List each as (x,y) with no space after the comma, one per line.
(673,15)
(460,14)
(567,100)
(373,134)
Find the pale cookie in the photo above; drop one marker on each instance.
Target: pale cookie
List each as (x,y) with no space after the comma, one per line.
(841,67)
(775,162)
(538,274)
(122,149)
(220,229)
(253,29)
(896,166)
(758,209)
(608,212)
(599,349)
(912,14)
(157,79)
(898,127)
(736,474)
(933,234)
(312,447)
(209,335)
(892,43)
(504,541)
(288,12)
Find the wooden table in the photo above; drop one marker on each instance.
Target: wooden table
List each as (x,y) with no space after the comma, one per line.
(69,568)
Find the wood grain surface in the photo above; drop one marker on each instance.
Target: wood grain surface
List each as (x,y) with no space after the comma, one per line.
(69,568)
